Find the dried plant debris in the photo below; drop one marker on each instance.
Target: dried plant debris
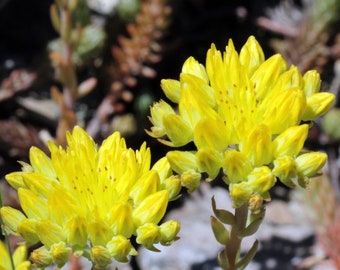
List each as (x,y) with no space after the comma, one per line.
(305,31)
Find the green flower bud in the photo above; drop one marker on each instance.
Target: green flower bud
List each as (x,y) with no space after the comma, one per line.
(173,186)
(119,248)
(158,111)
(182,161)
(310,163)
(236,166)
(100,256)
(290,141)
(169,231)
(191,180)
(285,170)
(12,218)
(148,235)
(60,253)
(41,257)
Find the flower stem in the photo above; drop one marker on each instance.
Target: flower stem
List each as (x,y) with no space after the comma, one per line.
(233,246)
(5,234)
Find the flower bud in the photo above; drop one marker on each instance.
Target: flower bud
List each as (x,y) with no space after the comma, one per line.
(100,256)
(171,89)
(288,111)
(182,161)
(255,203)
(310,163)
(11,218)
(209,161)
(163,168)
(173,185)
(60,253)
(285,170)
(15,180)
(268,73)
(151,209)
(317,105)
(193,67)
(76,231)
(169,231)
(290,141)
(119,248)
(41,162)
(211,133)
(261,179)
(158,111)
(251,55)
(191,180)
(50,233)
(236,166)
(311,82)
(41,257)
(148,235)
(28,230)
(177,130)
(240,193)
(147,184)
(257,146)
(121,222)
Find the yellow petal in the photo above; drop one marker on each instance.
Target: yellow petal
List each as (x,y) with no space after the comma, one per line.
(151,209)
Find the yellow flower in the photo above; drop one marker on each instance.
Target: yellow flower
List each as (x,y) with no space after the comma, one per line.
(88,196)
(19,258)
(242,113)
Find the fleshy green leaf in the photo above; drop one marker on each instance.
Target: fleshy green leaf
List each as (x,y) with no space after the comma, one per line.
(220,232)
(224,216)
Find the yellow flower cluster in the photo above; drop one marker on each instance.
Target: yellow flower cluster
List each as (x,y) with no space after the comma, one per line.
(19,258)
(247,116)
(90,201)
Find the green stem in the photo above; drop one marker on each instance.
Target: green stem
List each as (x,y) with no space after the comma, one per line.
(5,234)
(233,246)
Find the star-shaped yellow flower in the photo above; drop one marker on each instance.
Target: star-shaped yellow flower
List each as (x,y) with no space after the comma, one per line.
(242,113)
(90,200)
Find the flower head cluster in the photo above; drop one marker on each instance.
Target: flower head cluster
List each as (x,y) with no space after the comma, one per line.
(246,115)
(19,258)
(90,201)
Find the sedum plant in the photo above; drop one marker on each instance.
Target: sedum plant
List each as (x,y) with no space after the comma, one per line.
(248,118)
(91,201)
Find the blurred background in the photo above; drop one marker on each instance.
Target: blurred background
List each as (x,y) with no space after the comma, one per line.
(98,64)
